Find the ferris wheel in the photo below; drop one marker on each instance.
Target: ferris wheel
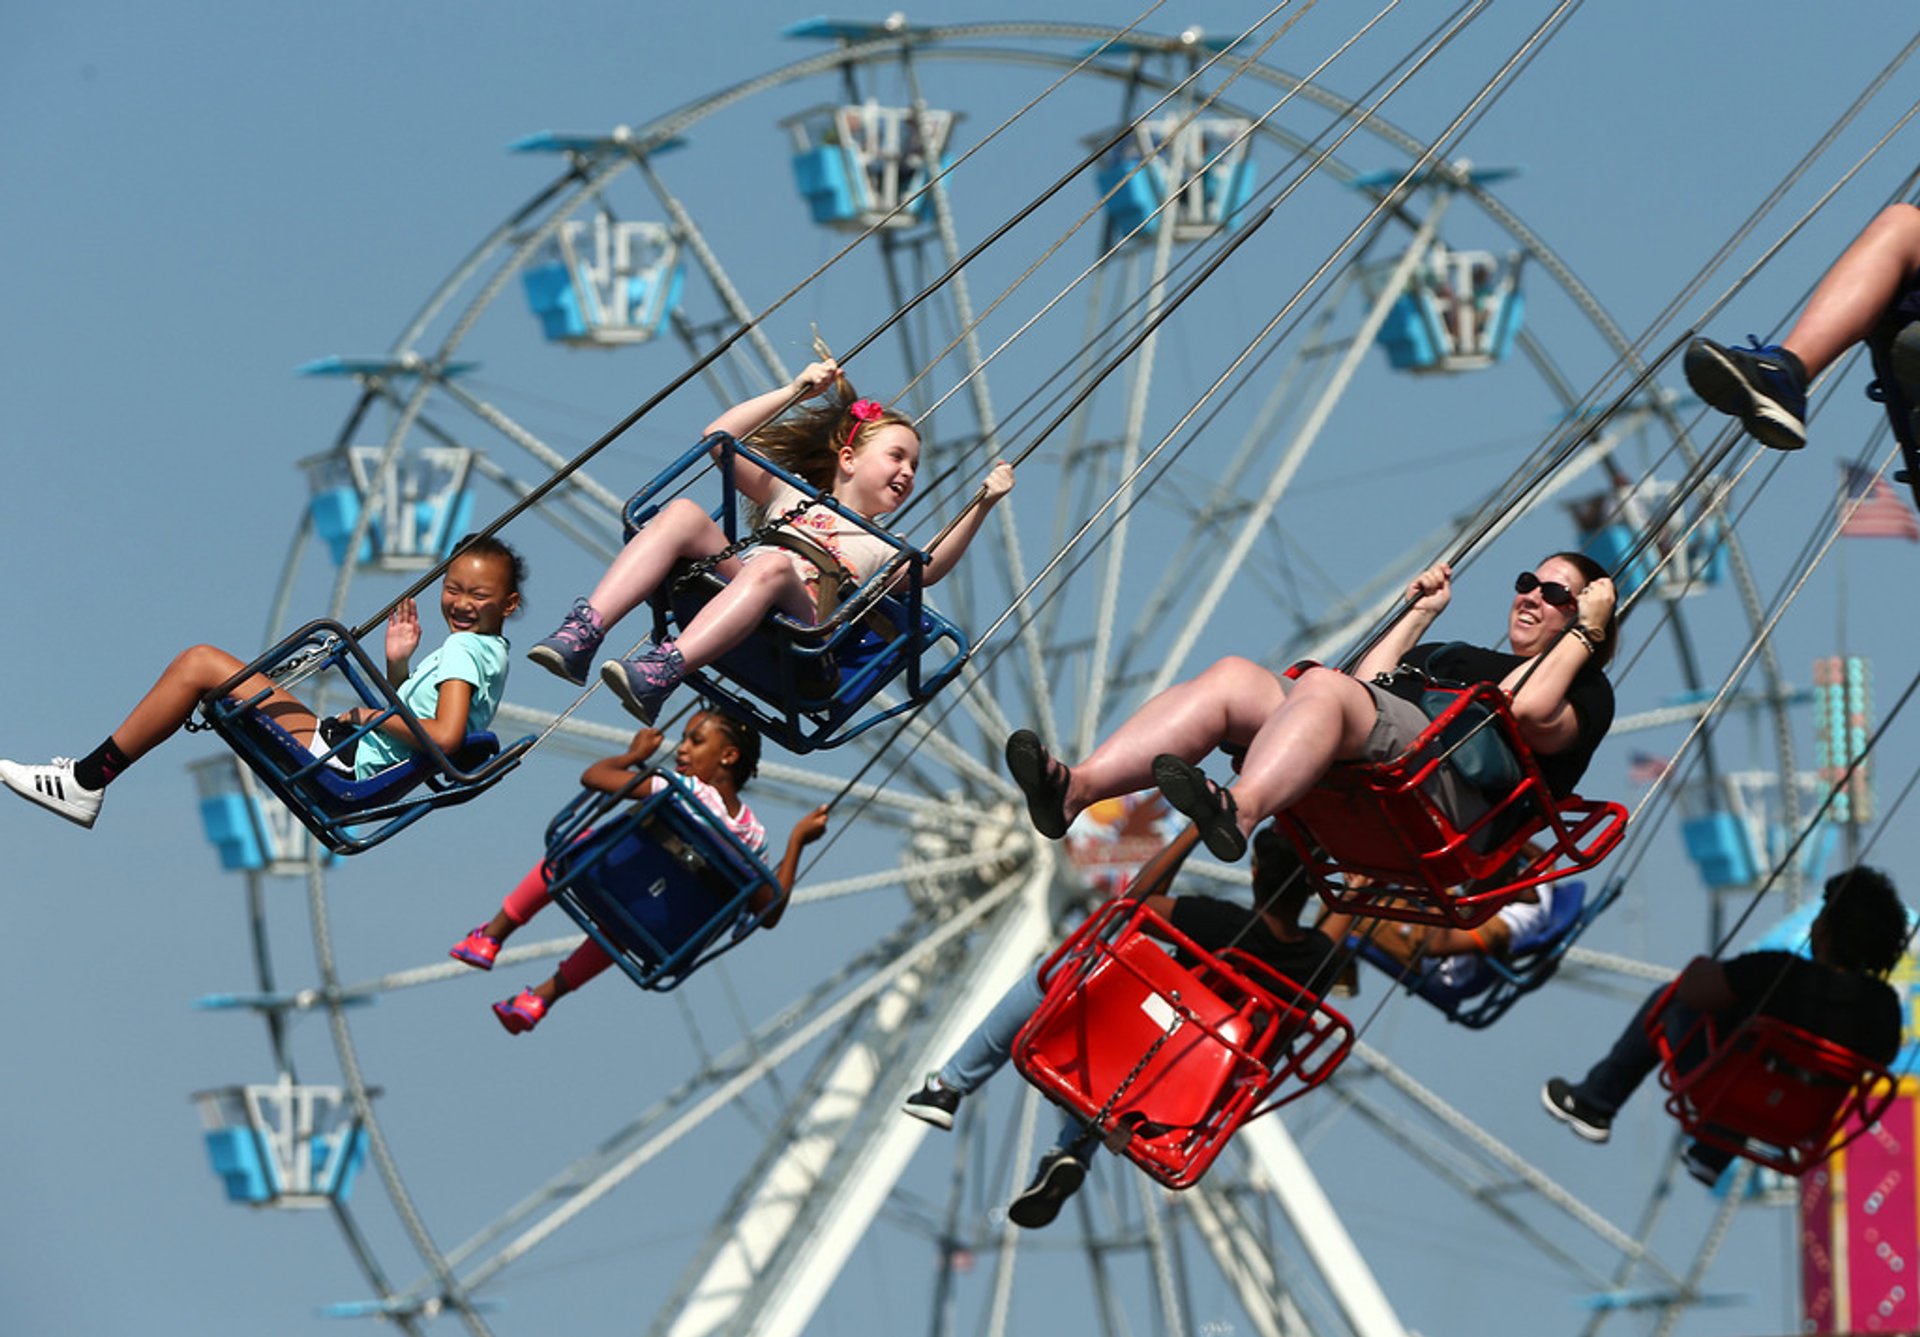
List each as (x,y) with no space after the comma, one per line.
(744,1134)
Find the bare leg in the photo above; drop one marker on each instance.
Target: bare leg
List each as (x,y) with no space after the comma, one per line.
(1227,703)
(1327,717)
(754,590)
(169,703)
(1867,278)
(681,530)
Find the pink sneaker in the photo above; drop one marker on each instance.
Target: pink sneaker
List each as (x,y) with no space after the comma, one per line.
(476,949)
(522,1012)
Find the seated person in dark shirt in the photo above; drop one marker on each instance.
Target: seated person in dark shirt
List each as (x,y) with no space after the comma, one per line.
(1269,931)
(1561,629)
(1841,995)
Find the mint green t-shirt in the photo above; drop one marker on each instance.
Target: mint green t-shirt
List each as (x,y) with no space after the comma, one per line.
(466,656)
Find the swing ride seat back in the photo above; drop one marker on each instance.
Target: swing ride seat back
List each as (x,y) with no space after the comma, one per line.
(1378,820)
(344,814)
(1774,1093)
(1483,986)
(1894,347)
(811,687)
(661,884)
(1166,1060)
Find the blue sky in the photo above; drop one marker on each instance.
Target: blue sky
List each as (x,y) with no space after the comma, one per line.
(201,197)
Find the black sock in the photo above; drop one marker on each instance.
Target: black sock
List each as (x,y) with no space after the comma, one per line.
(99,767)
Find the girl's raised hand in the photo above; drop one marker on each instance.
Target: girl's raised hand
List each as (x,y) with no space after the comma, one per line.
(816,378)
(645,743)
(811,827)
(403,632)
(999,481)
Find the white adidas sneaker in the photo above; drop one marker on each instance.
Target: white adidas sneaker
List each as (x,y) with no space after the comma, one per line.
(54,788)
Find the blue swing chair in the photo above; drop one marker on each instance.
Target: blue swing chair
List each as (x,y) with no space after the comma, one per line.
(1480,989)
(660,884)
(810,686)
(344,814)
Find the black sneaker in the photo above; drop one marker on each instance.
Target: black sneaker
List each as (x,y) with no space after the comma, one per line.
(1202,802)
(1586,1121)
(1762,385)
(933,1103)
(1059,1177)
(1705,1164)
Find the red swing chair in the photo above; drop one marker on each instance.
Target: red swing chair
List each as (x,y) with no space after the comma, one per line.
(1377,821)
(1778,1095)
(1166,1059)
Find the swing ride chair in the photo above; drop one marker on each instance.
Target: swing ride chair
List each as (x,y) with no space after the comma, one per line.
(809,686)
(1377,820)
(345,814)
(660,884)
(1166,1060)
(1482,992)
(1778,1095)
(1894,348)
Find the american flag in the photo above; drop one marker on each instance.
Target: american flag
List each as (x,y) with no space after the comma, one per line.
(1881,513)
(1643,768)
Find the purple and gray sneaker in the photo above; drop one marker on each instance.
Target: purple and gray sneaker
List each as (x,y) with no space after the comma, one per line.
(569,650)
(644,682)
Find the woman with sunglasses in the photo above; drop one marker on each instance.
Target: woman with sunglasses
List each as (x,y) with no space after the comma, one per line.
(1561,631)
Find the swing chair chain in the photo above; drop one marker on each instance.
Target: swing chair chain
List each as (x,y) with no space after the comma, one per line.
(706,564)
(1100,1115)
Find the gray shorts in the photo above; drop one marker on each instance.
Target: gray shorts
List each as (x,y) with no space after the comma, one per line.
(1397,724)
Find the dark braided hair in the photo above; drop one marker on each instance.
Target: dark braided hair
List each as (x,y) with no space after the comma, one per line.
(746,742)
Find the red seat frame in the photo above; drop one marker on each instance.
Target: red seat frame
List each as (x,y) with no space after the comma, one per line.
(1378,820)
(1774,1093)
(1166,1060)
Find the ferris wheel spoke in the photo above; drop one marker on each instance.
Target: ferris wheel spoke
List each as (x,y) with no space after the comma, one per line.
(1498,1154)
(579,481)
(1108,602)
(696,241)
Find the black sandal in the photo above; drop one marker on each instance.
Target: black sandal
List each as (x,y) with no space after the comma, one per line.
(1042,779)
(1209,807)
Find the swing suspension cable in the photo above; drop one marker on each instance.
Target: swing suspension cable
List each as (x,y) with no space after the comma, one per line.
(1431,151)
(1094,156)
(1106,340)
(720,349)
(1118,345)
(1155,150)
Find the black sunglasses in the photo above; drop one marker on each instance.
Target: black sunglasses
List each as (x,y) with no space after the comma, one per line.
(1551,590)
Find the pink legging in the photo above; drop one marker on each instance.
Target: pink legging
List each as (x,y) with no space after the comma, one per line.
(529,899)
